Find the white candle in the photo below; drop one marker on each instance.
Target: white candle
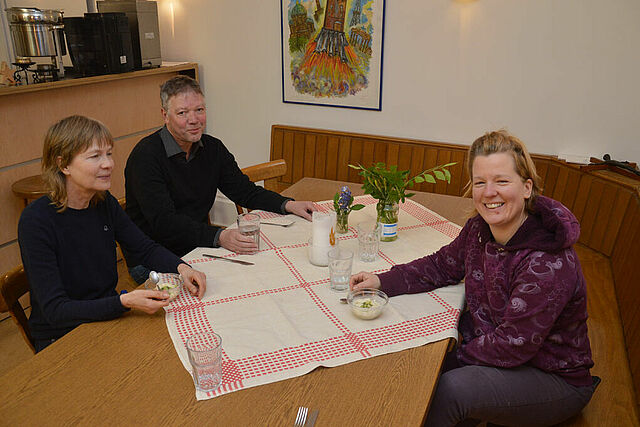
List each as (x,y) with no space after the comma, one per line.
(318,254)
(322,237)
(323,224)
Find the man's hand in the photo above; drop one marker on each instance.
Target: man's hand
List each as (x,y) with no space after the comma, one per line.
(194,280)
(233,240)
(364,280)
(302,209)
(145,300)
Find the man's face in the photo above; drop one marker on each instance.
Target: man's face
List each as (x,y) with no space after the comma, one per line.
(185,117)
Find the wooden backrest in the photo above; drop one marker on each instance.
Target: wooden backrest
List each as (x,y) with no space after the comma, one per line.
(268,172)
(13,285)
(123,204)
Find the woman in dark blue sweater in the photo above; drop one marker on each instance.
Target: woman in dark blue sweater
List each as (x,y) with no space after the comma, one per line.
(68,238)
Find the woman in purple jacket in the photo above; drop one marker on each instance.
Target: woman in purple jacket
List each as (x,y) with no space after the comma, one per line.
(525,356)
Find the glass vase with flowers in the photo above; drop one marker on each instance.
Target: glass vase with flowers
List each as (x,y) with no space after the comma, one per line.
(389,186)
(343,205)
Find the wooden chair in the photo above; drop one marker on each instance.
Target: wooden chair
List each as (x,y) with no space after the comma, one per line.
(267,171)
(13,285)
(123,204)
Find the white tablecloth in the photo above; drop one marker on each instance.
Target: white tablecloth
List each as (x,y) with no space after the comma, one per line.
(278,319)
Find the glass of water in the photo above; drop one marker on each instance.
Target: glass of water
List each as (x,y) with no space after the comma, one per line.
(368,240)
(340,262)
(205,355)
(249,225)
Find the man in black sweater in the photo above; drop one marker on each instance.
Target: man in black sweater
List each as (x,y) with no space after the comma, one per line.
(172,177)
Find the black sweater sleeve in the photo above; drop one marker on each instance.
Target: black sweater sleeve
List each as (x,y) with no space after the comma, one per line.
(135,242)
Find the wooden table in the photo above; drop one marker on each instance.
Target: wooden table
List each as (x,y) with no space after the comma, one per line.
(127,371)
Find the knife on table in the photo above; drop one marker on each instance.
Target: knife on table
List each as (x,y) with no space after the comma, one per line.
(238,261)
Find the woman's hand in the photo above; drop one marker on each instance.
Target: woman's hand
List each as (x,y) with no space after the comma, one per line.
(194,280)
(145,300)
(364,279)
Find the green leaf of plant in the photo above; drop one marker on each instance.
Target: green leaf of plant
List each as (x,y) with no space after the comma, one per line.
(357,207)
(389,185)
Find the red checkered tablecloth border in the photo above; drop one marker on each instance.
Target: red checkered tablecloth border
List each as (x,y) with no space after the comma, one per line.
(189,314)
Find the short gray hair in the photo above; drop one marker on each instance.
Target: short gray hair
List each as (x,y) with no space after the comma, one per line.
(177,85)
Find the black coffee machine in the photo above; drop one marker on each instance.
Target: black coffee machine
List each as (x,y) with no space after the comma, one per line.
(99,43)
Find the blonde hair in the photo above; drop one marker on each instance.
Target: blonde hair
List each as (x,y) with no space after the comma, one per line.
(501,141)
(63,141)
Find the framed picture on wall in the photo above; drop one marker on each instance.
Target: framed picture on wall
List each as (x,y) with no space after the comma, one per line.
(332,52)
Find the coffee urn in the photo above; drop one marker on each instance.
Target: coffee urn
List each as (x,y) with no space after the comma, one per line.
(37,33)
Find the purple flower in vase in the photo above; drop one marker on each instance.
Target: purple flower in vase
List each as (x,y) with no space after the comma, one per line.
(345,198)
(342,201)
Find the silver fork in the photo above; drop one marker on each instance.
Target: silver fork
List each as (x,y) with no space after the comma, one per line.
(301,417)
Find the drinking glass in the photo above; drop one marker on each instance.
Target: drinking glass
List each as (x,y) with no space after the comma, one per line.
(368,240)
(340,262)
(249,225)
(205,356)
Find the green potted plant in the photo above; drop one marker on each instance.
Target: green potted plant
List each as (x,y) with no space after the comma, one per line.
(389,186)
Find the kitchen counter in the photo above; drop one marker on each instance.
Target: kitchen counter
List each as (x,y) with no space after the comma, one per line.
(79,81)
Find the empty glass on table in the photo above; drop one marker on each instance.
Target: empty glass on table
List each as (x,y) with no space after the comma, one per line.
(368,240)
(205,355)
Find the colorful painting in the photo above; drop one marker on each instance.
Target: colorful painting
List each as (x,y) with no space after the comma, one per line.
(332,52)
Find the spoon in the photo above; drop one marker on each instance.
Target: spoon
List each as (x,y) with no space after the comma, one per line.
(154,277)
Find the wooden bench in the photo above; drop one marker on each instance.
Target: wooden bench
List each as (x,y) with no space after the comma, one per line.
(606,204)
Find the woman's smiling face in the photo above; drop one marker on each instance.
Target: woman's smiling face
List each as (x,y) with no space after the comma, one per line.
(499,194)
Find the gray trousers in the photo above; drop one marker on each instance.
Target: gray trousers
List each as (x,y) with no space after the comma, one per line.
(522,396)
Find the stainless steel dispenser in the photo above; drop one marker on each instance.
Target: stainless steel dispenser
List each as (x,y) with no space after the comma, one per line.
(37,33)
(143,22)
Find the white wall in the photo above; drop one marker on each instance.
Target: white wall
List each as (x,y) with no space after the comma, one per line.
(560,74)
